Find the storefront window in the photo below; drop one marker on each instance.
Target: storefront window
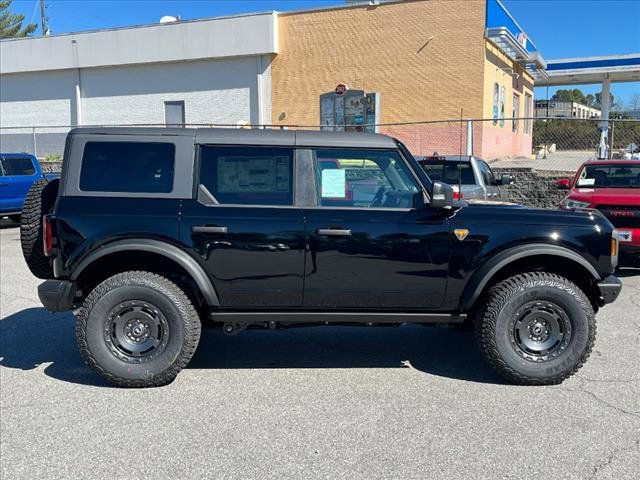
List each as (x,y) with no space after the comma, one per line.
(503,93)
(527,113)
(515,112)
(496,100)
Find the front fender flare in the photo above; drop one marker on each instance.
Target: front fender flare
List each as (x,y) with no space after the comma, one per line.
(158,247)
(474,287)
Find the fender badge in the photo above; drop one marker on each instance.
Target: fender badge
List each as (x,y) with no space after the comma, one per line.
(461,233)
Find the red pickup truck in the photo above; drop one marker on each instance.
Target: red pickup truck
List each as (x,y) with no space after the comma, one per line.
(613,187)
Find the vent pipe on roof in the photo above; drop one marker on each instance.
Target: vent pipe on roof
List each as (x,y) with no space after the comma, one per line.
(169,19)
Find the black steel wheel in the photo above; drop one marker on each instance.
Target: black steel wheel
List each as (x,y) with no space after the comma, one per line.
(541,331)
(535,328)
(137,329)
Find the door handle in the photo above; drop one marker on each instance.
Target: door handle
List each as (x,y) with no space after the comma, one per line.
(334,232)
(208,229)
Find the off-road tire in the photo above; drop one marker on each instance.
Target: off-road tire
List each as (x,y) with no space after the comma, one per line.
(92,323)
(38,202)
(499,309)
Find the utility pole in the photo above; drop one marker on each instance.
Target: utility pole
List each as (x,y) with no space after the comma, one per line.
(43,17)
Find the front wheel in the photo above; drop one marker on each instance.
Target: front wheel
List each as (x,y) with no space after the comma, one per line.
(137,329)
(536,328)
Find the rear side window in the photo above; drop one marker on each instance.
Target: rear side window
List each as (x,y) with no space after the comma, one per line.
(133,167)
(453,173)
(18,166)
(248,175)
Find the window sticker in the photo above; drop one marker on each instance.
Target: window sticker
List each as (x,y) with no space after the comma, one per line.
(334,183)
(586,182)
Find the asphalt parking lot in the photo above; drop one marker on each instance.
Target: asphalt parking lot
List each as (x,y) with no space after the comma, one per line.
(408,402)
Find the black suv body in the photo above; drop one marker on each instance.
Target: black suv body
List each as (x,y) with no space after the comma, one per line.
(155,230)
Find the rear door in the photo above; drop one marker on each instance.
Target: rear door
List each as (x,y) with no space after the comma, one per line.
(19,172)
(245,227)
(372,245)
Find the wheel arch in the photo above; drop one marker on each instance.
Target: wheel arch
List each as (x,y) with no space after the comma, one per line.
(553,256)
(157,248)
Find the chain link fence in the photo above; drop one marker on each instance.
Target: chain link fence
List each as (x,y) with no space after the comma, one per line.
(537,151)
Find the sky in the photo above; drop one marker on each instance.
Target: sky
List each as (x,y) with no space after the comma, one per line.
(559,28)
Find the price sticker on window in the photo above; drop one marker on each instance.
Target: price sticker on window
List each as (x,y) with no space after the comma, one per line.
(586,182)
(334,183)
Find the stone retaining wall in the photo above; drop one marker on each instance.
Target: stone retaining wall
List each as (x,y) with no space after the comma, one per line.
(535,189)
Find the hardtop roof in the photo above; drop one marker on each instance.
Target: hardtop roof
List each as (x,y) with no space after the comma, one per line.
(253,136)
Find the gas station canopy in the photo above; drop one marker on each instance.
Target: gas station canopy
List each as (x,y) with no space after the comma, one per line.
(588,70)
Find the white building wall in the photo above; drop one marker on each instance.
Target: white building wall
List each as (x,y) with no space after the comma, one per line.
(220,68)
(224,37)
(214,91)
(30,99)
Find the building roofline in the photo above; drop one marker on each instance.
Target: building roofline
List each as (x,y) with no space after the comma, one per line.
(144,25)
(345,6)
(222,17)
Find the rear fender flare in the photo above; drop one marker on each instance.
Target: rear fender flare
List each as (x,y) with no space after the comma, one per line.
(161,248)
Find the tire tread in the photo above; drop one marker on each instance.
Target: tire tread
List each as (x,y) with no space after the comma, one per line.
(38,202)
(496,299)
(157,282)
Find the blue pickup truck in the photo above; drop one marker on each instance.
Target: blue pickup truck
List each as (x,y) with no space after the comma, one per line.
(17,172)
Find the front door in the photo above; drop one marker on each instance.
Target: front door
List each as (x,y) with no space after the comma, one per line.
(245,228)
(372,243)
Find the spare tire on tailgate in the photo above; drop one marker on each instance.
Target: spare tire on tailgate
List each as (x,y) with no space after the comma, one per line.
(38,202)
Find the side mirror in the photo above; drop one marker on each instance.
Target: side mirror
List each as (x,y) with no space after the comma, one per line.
(442,196)
(563,183)
(506,180)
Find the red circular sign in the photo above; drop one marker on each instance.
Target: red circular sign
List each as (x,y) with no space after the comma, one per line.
(341,88)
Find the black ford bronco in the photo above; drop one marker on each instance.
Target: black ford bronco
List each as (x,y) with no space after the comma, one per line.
(150,233)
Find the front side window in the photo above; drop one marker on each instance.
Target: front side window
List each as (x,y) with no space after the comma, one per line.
(364,179)
(132,167)
(248,175)
(18,166)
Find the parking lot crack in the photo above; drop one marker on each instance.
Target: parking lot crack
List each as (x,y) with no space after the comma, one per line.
(623,380)
(602,401)
(606,461)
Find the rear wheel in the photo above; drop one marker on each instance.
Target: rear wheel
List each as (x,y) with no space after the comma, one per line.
(38,202)
(536,328)
(137,329)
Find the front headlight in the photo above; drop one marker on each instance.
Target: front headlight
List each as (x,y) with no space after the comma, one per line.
(569,204)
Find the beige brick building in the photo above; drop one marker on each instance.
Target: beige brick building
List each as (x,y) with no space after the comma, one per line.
(426,59)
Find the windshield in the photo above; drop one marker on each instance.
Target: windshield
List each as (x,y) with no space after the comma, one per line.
(449,172)
(610,176)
